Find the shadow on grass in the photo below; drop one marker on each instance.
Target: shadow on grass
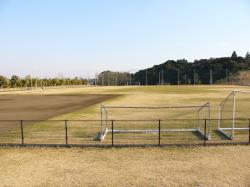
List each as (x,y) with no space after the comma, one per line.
(220,135)
(198,135)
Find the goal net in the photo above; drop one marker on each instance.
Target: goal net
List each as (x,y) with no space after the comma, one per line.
(182,119)
(233,111)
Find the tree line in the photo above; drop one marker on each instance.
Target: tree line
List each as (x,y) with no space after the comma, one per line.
(109,78)
(203,71)
(18,82)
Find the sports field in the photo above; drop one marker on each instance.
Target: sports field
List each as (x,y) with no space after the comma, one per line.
(169,166)
(77,104)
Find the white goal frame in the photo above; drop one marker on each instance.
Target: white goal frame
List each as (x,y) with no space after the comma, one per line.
(137,83)
(232,128)
(200,121)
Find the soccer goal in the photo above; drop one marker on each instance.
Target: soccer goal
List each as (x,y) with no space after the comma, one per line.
(137,83)
(232,111)
(196,114)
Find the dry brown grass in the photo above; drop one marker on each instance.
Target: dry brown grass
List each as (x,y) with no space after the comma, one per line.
(196,166)
(211,166)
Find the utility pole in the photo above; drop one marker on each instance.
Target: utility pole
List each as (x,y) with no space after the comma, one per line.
(31,85)
(226,76)
(42,84)
(162,80)
(178,76)
(194,76)
(159,78)
(108,78)
(96,78)
(130,78)
(116,79)
(146,82)
(211,76)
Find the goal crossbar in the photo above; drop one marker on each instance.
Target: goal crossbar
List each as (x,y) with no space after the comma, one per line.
(199,126)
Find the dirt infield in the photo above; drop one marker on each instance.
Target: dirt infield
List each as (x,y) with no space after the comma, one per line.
(33,107)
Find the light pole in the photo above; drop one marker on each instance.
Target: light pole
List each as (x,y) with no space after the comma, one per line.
(194,76)
(159,78)
(108,78)
(130,81)
(226,76)
(116,78)
(211,76)
(178,76)
(162,80)
(31,85)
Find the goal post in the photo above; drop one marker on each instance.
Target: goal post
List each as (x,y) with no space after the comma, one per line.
(196,113)
(233,108)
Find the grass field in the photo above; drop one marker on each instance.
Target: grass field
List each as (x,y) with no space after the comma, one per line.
(196,166)
(84,104)
(182,166)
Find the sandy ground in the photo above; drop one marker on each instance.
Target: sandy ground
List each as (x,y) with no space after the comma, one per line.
(211,166)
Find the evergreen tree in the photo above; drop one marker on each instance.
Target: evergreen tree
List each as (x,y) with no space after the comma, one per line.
(234,55)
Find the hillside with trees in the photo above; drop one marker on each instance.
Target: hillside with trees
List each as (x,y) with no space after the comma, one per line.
(203,71)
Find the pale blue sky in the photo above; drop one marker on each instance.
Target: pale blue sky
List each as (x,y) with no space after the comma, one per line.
(79,38)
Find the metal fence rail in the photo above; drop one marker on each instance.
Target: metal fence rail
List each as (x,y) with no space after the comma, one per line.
(118,133)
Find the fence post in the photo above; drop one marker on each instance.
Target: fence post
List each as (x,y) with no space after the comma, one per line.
(159,132)
(205,133)
(22,136)
(112,134)
(249,131)
(66,132)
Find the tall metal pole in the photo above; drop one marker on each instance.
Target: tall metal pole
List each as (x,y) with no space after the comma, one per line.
(31,85)
(116,78)
(108,78)
(178,77)
(226,76)
(130,78)
(96,74)
(42,84)
(159,78)
(211,76)
(194,76)
(162,80)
